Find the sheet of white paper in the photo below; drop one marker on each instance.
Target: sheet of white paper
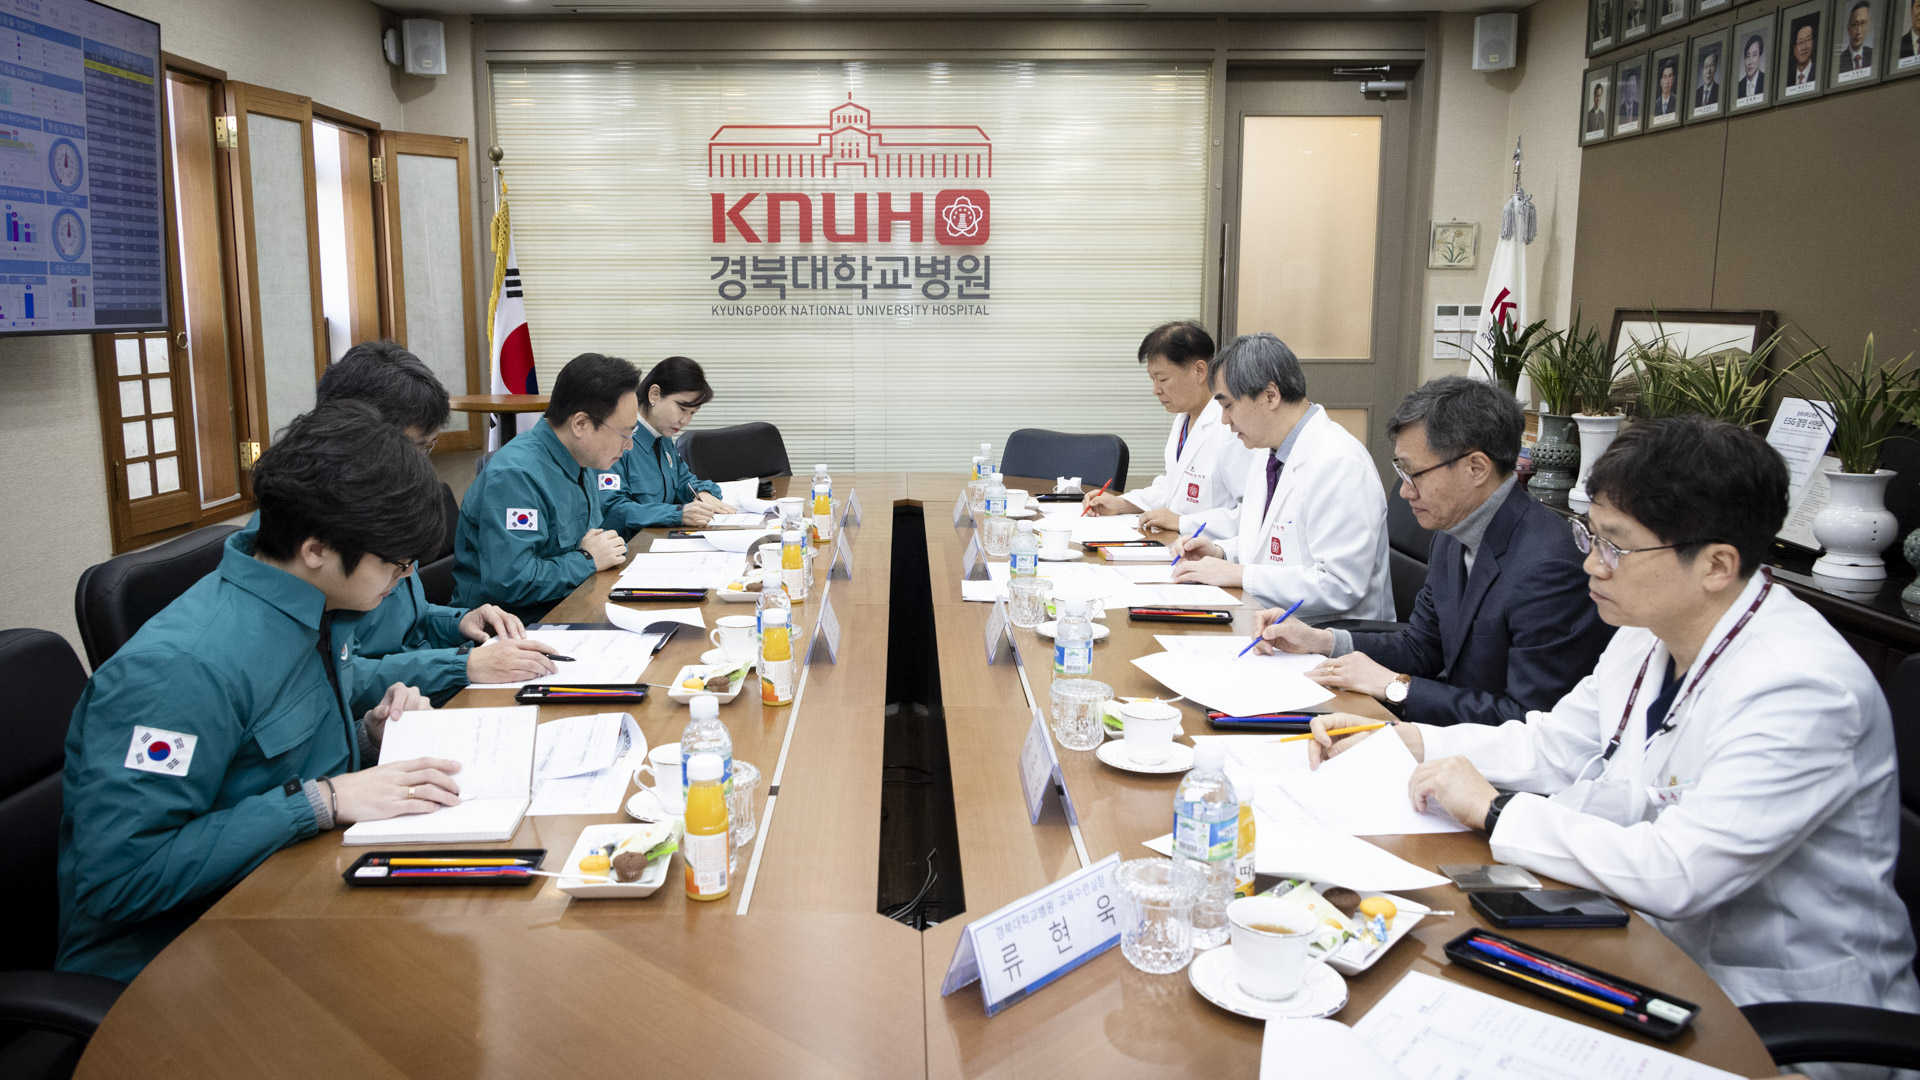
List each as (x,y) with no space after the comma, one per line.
(599,656)
(1295,846)
(596,792)
(1263,758)
(669,545)
(1363,792)
(736,492)
(680,570)
(573,745)
(985,592)
(1291,1049)
(1154,574)
(1201,596)
(1229,645)
(1430,1027)
(476,819)
(738,540)
(493,746)
(1807,504)
(1119,527)
(1235,687)
(636,620)
(739,521)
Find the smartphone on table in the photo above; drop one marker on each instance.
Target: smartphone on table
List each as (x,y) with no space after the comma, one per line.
(1548,909)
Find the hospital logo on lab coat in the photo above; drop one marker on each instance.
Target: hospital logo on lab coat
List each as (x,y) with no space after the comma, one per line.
(609,481)
(166,752)
(1193,491)
(523,520)
(1273,546)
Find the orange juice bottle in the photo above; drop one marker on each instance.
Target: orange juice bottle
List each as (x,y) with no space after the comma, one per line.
(706,839)
(776,658)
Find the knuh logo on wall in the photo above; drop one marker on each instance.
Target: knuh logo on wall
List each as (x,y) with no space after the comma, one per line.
(851,144)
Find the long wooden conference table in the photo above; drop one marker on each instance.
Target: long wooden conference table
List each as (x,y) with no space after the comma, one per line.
(293,974)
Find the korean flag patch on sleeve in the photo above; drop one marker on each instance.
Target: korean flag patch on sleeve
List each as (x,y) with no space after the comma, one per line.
(609,481)
(523,520)
(166,752)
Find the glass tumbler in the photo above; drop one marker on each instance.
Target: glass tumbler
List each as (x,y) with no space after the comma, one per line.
(1077,708)
(997,535)
(741,827)
(1027,600)
(1156,913)
(977,496)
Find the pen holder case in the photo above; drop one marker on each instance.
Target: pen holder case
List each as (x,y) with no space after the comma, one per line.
(534,856)
(1665,1020)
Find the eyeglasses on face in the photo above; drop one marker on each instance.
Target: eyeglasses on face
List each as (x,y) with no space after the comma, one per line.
(1586,540)
(1411,478)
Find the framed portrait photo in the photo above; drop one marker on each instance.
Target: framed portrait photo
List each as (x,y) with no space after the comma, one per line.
(1704,8)
(1707,77)
(1636,19)
(1602,33)
(1596,105)
(1668,14)
(1629,96)
(1753,63)
(1803,52)
(1903,38)
(1667,82)
(1856,49)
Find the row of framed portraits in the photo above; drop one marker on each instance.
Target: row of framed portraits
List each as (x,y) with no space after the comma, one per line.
(1792,54)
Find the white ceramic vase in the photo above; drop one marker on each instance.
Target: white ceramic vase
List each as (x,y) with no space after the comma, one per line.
(1855,526)
(1596,434)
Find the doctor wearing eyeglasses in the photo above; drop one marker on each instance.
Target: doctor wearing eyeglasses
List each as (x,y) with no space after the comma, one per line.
(1728,768)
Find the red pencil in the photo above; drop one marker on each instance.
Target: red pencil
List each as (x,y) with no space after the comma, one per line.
(1097,494)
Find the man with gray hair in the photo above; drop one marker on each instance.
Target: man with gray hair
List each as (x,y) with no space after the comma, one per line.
(1504,624)
(1312,523)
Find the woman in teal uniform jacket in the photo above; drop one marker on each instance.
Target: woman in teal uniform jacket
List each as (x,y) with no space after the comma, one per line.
(651,485)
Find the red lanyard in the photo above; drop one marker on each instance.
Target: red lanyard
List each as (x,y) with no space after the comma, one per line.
(1626,714)
(1185,423)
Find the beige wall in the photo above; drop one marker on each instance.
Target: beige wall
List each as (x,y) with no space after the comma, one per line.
(1481,114)
(51,472)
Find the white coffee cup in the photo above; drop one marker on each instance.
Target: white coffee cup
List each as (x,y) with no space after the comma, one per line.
(768,556)
(792,508)
(1150,726)
(663,764)
(734,636)
(1017,500)
(1056,537)
(1270,939)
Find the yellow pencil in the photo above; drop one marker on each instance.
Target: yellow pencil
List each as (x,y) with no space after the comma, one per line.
(456,862)
(1335,731)
(1557,988)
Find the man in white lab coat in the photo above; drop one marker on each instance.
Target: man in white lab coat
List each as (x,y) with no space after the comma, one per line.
(1313,525)
(1728,768)
(1206,466)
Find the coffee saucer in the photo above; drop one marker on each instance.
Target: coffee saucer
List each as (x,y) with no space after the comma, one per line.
(1322,993)
(1178,760)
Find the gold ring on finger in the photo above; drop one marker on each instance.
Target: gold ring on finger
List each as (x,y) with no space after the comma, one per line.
(409,791)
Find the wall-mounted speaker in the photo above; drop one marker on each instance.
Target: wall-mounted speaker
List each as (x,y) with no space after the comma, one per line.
(424,46)
(1496,38)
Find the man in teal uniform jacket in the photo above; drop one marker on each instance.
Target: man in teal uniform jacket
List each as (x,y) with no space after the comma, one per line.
(651,485)
(530,525)
(220,732)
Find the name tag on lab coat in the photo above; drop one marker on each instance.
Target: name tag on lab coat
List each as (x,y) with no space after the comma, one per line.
(1670,794)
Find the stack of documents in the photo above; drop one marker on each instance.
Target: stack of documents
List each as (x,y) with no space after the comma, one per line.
(1237,686)
(679,570)
(615,657)
(495,750)
(1115,586)
(582,764)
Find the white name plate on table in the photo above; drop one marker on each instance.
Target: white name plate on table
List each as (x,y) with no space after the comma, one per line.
(1038,938)
(975,558)
(842,556)
(999,634)
(1040,771)
(826,634)
(850,512)
(961,518)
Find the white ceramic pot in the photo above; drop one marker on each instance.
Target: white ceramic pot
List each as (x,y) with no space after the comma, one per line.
(1855,526)
(1596,434)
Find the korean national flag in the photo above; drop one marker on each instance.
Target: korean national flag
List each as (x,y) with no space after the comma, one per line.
(609,481)
(519,520)
(166,752)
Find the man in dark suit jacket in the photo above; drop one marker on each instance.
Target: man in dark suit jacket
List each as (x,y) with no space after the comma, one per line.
(1856,54)
(1504,624)
(1708,92)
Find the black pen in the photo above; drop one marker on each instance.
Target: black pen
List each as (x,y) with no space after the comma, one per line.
(559,658)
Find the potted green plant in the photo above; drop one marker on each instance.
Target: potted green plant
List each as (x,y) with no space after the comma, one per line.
(1556,451)
(1594,374)
(1734,385)
(1868,403)
(1506,358)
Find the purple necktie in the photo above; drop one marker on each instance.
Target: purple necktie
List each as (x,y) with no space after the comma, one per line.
(1274,465)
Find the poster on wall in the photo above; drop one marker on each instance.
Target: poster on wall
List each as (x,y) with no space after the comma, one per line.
(891,262)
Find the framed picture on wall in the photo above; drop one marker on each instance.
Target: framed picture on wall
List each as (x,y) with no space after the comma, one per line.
(1668,14)
(1453,245)
(1803,37)
(1596,105)
(1636,19)
(1704,8)
(1903,38)
(1601,34)
(1629,96)
(1707,77)
(1856,43)
(1665,64)
(1753,64)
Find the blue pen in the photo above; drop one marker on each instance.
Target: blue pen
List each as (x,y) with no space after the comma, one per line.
(1283,618)
(1554,972)
(1195,536)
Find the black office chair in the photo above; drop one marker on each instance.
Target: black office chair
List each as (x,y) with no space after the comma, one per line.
(740,452)
(1408,548)
(1809,1031)
(46,1016)
(114,599)
(1095,459)
(436,580)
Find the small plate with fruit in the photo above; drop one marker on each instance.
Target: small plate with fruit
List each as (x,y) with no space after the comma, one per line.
(723,681)
(624,860)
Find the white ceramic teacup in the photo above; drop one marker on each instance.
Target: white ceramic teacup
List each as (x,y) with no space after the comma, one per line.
(1270,939)
(663,764)
(792,509)
(1017,500)
(734,636)
(768,557)
(1056,537)
(1149,726)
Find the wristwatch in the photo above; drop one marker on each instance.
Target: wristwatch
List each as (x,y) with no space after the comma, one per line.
(1397,689)
(1499,803)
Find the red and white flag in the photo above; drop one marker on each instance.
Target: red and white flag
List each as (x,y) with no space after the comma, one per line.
(512,345)
(1505,300)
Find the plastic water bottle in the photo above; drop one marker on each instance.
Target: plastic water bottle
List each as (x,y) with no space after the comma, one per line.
(983,462)
(1243,849)
(776,659)
(705,845)
(822,501)
(773,597)
(706,733)
(996,496)
(1073,642)
(1024,551)
(1206,835)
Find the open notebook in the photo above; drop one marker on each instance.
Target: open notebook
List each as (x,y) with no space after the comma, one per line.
(495,750)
